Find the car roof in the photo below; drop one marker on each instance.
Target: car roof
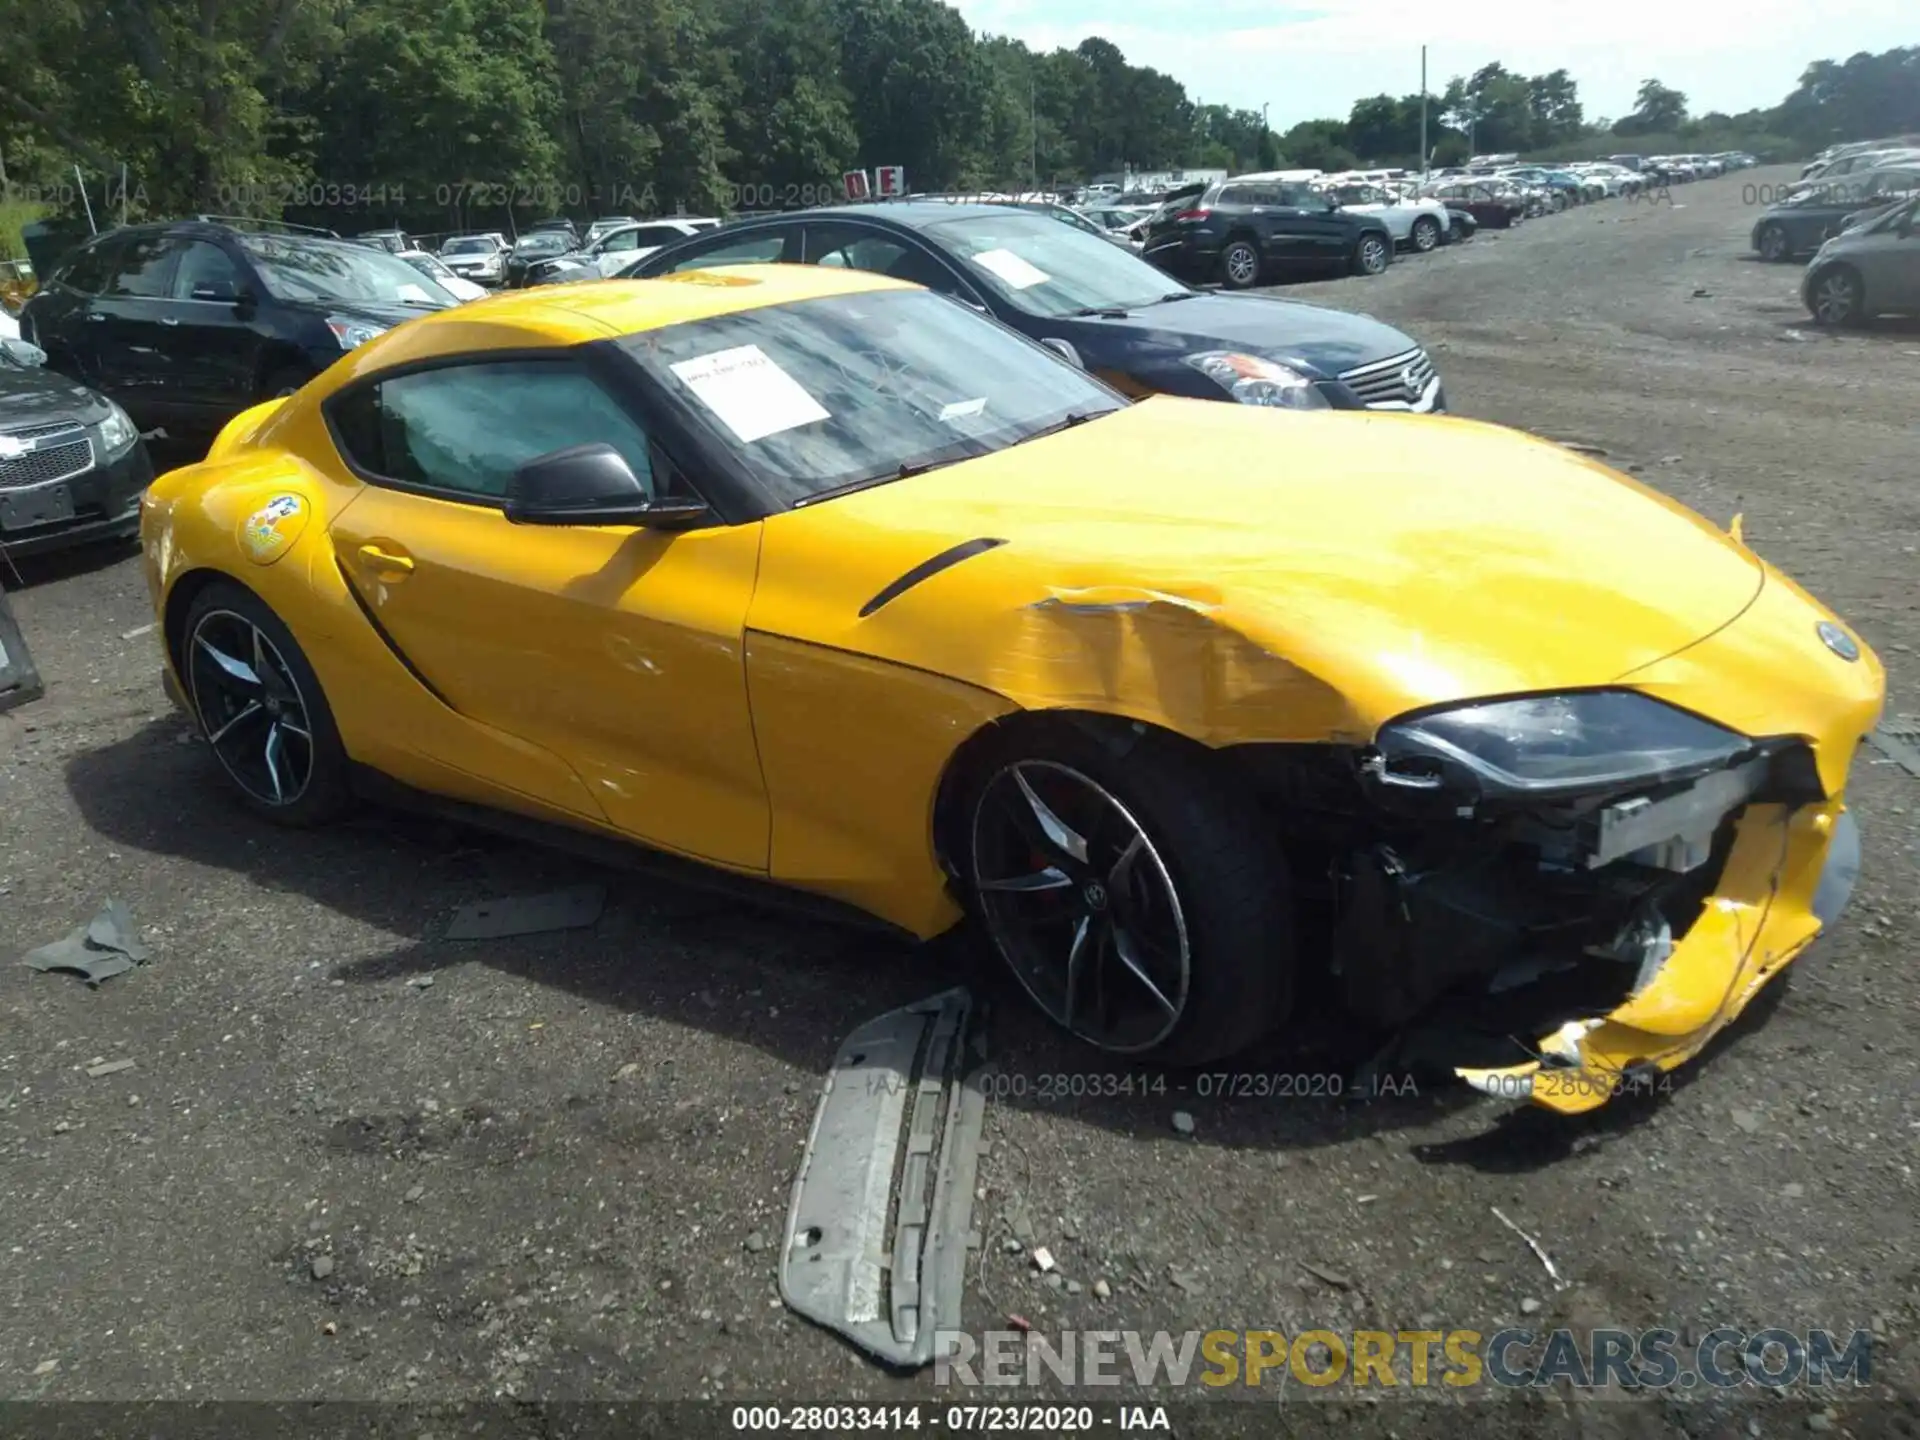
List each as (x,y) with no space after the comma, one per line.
(555,317)
(908,214)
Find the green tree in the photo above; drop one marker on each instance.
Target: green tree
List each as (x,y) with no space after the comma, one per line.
(918,84)
(444,100)
(1554,99)
(1658,110)
(1382,128)
(1319,145)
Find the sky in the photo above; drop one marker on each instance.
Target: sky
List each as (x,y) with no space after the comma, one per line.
(1313,59)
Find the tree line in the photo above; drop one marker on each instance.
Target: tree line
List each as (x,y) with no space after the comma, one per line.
(444,113)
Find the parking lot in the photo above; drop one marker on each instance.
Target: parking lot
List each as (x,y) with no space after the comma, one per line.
(352,1159)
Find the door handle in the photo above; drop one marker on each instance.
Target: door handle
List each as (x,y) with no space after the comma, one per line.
(168,320)
(95,316)
(376,558)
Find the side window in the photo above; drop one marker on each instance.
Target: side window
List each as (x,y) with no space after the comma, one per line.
(656,235)
(620,240)
(463,430)
(205,273)
(851,247)
(1236,195)
(144,269)
(758,248)
(89,270)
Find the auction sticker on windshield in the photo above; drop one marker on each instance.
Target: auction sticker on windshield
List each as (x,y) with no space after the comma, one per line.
(752,396)
(1017,271)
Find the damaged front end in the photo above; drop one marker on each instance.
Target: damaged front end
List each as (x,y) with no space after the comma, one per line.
(1557,898)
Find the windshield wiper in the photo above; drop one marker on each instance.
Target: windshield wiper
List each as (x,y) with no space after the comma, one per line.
(1066,422)
(1104,312)
(885,477)
(1174,295)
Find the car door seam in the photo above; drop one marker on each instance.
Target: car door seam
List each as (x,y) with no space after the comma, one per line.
(386,638)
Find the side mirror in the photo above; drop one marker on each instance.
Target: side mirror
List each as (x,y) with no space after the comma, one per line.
(23,352)
(1065,350)
(592,485)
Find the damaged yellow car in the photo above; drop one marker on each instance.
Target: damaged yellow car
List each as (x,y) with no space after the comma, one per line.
(821,578)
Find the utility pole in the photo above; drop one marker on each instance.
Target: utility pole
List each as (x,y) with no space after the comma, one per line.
(1423,112)
(81,181)
(1033,136)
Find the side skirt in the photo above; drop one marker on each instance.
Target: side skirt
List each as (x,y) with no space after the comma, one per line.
(630,856)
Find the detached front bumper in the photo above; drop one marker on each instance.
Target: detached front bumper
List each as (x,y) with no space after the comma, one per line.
(1788,878)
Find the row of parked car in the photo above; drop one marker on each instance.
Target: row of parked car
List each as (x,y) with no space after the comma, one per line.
(1852,217)
(180,326)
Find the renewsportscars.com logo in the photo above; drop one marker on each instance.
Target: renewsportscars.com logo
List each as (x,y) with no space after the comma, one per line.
(1774,1359)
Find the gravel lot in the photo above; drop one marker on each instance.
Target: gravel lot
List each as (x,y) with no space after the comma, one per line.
(547,1167)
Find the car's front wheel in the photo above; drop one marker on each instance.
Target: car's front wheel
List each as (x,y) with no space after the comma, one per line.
(1372,255)
(1426,233)
(1773,243)
(1835,297)
(1136,894)
(261,708)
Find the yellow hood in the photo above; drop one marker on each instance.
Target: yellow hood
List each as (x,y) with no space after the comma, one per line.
(1336,569)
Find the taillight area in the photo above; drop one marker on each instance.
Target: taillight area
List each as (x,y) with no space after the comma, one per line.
(1187,215)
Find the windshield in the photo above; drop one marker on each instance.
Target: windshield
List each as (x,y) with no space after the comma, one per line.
(1046,268)
(547,242)
(471,245)
(310,270)
(427,265)
(850,389)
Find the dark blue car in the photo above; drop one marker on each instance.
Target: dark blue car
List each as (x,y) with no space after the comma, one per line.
(1096,303)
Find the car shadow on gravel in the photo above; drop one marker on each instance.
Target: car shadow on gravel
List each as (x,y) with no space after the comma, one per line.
(789,985)
(28,571)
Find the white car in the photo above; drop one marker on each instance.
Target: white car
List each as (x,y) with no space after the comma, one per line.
(480,258)
(1419,222)
(617,249)
(9,327)
(431,267)
(606,224)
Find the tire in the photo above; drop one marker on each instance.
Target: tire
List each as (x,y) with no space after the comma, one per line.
(1774,245)
(1240,264)
(1836,296)
(216,625)
(1426,234)
(1206,879)
(284,381)
(1372,254)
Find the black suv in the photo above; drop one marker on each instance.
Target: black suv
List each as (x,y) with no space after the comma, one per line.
(188,323)
(1241,231)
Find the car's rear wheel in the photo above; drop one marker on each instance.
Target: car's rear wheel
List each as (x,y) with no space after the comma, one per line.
(1239,264)
(1773,243)
(1426,233)
(1835,297)
(1134,892)
(1372,255)
(261,708)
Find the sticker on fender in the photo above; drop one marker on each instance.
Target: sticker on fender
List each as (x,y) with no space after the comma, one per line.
(751,396)
(270,530)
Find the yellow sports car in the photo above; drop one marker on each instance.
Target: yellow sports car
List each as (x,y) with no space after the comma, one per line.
(822,578)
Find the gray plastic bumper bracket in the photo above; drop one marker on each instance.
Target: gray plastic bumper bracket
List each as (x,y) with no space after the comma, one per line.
(876,1240)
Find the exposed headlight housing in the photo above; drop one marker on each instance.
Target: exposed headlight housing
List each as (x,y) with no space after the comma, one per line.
(118,434)
(350,332)
(1253,381)
(1550,746)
